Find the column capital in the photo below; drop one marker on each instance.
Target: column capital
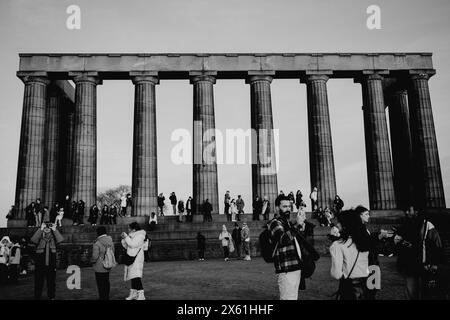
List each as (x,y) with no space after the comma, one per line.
(367,75)
(144,76)
(91,77)
(421,74)
(253,76)
(28,77)
(315,76)
(196,76)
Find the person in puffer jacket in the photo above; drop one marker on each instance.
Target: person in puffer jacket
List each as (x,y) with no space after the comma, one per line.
(133,242)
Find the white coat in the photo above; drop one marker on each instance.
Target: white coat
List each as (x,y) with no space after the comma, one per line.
(134,244)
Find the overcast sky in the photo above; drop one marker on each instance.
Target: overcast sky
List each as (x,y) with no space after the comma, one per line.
(223,26)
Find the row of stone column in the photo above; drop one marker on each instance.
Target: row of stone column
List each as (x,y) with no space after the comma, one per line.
(413,142)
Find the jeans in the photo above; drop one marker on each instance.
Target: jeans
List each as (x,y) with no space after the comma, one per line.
(226,251)
(102,279)
(246,245)
(288,283)
(201,253)
(42,273)
(136,283)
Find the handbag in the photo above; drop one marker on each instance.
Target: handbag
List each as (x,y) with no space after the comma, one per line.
(346,284)
(129,260)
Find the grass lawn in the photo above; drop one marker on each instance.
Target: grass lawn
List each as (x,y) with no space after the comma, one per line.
(210,279)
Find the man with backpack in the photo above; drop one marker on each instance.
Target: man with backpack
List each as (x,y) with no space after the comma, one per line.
(291,253)
(103,261)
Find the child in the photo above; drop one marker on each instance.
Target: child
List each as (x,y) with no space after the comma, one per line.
(59,217)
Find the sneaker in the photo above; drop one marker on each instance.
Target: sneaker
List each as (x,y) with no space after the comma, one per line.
(391,255)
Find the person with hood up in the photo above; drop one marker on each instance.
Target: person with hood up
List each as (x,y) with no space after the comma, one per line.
(225,237)
(133,242)
(99,249)
(5,245)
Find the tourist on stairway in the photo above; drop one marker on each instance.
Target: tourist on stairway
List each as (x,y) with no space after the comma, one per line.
(240,204)
(80,212)
(226,201)
(161,199)
(207,209)
(265,208)
(133,242)
(257,208)
(74,211)
(298,199)
(173,202)
(180,210)
(189,209)
(93,215)
(46,239)
(201,246)
(105,218)
(237,238)
(123,205)
(233,210)
(113,212)
(152,222)
(246,241)
(313,196)
(225,237)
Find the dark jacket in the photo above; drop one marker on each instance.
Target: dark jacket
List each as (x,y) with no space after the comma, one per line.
(236,235)
(201,242)
(207,208)
(173,199)
(414,232)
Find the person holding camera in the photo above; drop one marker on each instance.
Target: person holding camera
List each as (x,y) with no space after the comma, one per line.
(46,239)
(133,242)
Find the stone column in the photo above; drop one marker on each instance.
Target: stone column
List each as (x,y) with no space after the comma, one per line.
(429,186)
(30,172)
(84,157)
(144,187)
(52,145)
(204,177)
(321,158)
(378,155)
(397,100)
(264,171)
(69,124)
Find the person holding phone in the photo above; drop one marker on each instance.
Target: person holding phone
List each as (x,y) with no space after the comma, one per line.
(133,242)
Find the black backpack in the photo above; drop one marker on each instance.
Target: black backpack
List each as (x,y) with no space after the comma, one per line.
(266,244)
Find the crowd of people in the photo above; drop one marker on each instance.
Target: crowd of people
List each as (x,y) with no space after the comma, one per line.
(354,249)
